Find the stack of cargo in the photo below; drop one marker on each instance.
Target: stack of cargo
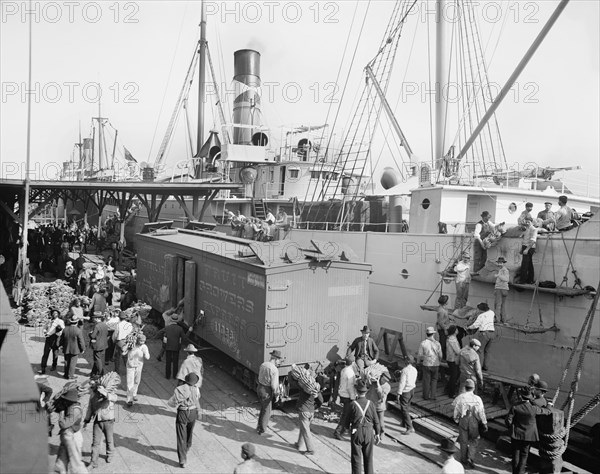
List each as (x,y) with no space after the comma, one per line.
(305,378)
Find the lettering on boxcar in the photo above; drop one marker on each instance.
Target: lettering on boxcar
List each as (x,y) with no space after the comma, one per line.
(352,290)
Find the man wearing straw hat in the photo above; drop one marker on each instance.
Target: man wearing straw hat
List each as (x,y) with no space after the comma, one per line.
(191,364)
(268,389)
(187,401)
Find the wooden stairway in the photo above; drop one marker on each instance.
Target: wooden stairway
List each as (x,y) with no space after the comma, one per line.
(259,209)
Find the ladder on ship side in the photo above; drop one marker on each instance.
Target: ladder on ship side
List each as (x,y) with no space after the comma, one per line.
(259,209)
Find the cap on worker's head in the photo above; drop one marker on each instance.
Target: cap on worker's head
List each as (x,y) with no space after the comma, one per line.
(350,359)
(475,342)
(469,383)
(191,378)
(430,330)
(365,330)
(486,214)
(483,307)
(529,205)
(361,386)
(443,299)
(563,199)
(71,395)
(542,386)
(548,203)
(248,450)
(501,260)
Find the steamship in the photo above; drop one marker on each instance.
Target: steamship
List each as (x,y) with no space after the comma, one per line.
(419,220)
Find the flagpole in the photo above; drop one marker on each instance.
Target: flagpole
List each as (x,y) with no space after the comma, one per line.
(25,210)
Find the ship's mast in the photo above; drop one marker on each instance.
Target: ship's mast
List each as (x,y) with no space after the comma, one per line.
(441,71)
(202,77)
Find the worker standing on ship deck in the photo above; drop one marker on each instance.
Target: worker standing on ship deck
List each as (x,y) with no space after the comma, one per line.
(501,289)
(547,216)
(363,423)
(443,322)
(528,245)
(562,217)
(525,216)
(364,349)
(463,280)
(187,401)
(483,228)
(268,389)
(430,354)
(470,365)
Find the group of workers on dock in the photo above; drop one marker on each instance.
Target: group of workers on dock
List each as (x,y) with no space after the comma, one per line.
(252,228)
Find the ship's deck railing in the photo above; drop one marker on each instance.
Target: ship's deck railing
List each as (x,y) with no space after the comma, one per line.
(350,226)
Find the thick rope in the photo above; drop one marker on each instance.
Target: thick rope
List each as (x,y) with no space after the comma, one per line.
(575,383)
(575,346)
(588,407)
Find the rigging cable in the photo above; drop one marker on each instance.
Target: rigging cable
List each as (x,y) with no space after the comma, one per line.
(168,81)
(341,98)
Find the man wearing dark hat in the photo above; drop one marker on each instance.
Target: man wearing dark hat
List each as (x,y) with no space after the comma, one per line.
(99,344)
(364,349)
(268,389)
(539,394)
(451,465)
(483,228)
(521,421)
(485,331)
(525,215)
(501,288)
(73,344)
(365,430)
(187,401)
(469,413)
(430,353)
(347,393)
(174,335)
(406,390)
(192,363)
(562,217)
(249,465)
(547,216)
(52,332)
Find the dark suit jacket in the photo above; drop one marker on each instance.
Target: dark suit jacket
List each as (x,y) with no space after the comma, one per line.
(71,340)
(372,349)
(364,430)
(521,421)
(100,334)
(174,333)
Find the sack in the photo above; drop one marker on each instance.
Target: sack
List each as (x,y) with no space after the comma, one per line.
(547,284)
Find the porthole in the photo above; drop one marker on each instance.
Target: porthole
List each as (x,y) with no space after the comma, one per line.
(512,208)
(425,204)
(404,273)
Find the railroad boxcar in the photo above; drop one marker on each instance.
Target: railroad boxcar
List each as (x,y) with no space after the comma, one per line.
(249,298)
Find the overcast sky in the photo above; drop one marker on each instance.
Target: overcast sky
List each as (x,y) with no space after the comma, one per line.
(138,53)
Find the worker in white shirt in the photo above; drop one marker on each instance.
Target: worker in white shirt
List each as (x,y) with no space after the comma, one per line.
(469,413)
(124,329)
(501,289)
(463,280)
(406,390)
(486,331)
(347,393)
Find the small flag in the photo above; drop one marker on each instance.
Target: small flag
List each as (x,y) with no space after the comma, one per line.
(129,156)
